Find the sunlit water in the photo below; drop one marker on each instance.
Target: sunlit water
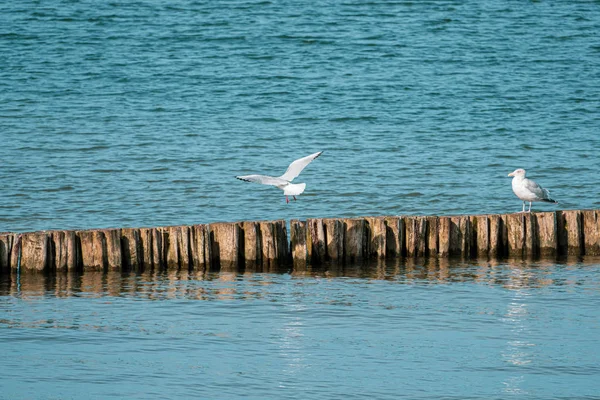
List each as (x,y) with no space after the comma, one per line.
(417,331)
(140,113)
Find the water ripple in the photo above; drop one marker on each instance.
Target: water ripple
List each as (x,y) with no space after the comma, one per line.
(405,97)
(533,325)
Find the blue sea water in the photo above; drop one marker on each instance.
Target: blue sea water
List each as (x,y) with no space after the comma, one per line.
(140,113)
(399,330)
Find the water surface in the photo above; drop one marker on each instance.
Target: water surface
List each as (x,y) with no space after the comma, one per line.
(418,330)
(141,113)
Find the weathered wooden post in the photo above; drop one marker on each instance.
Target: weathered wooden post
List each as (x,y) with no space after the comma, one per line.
(591,232)
(225,245)
(185,248)
(532,246)
(200,244)
(274,243)
(498,236)
(544,234)
(377,237)
(460,236)
(334,232)
(147,250)
(91,250)
(15,255)
(176,240)
(283,244)
(65,250)
(6,244)
(355,239)
(298,244)
(114,252)
(516,233)
(268,242)
(480,245)
(252,245)
(315,240)
(131,248)
(36,253)
(394,241)
(570,232)
(444,236)
(158,249)
(432,236)
(416,236)
(170,248)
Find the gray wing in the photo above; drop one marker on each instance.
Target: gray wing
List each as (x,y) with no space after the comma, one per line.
(297,166)
(536,189)
(262,179)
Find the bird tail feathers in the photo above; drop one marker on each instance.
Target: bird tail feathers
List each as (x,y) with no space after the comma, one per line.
(294,189)
(550,201)
(547,198)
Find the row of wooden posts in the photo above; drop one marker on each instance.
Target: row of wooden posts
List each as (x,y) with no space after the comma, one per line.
(255,245)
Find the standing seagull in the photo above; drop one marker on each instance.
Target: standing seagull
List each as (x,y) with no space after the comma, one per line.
(284,182)
(528,190)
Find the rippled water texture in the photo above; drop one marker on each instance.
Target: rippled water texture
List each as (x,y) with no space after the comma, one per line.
(140,113)
(415,331)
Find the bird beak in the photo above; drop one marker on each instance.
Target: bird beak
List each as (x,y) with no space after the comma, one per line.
(511,174)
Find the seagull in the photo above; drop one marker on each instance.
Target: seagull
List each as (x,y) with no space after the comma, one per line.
(284,182)
(528,190)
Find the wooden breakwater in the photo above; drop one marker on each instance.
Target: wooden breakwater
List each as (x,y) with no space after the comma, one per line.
(263,245)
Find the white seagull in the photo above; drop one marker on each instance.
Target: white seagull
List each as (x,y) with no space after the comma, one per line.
(284,182)
(528,190)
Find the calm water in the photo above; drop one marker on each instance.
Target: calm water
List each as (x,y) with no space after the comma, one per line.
(140,113)
(459,331)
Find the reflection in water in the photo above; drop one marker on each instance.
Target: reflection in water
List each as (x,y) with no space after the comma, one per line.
(518,348)
(494,329)
(223,285)
(291,344)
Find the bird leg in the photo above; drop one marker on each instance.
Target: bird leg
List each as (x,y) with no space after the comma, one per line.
(288,200)
(529,207)
(294,198)
(523,207)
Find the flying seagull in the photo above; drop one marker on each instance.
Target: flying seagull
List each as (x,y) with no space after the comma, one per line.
(284,182)
(528,190)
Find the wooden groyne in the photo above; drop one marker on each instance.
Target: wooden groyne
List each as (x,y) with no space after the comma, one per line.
(263,245)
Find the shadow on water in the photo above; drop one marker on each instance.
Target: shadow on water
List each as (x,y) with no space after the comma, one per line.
(208,285)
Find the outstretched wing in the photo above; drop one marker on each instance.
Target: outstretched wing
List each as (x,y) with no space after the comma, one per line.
(262,179)
(536,189)
(297,166)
